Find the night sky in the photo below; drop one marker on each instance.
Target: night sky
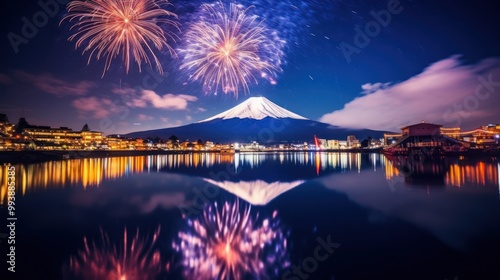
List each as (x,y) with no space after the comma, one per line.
(437,61)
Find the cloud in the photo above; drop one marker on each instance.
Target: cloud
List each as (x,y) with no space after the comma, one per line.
(94,107)
(129,91)
(144,117)
(167,101)
(147,98)
(371,88)
(201,109)
(447,92)
(168,123)
(49,84)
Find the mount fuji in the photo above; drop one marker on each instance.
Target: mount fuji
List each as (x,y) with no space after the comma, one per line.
(257,119)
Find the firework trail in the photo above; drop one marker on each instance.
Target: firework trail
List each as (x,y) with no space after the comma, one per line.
(131,28)
(227,243)
(133,259)
(229,49)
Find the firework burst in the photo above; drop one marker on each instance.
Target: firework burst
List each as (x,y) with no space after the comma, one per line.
(227,243)
(229,49)
(133,259)
(131,28)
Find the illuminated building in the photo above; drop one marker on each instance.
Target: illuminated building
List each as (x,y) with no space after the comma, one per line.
(45,137)
(6,133)
(138,144)
(343,145)
(422,135)
(375,143)
(323,144)
(352,142)
(91,139)
(6,129)
(482,136)
(62,138)
(209,145)
(117,143)
(333,144)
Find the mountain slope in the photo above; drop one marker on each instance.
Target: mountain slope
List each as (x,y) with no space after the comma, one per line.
(267,130)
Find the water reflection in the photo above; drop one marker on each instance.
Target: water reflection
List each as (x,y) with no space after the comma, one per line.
(438,191)
(134,258)
(230,242)
(445,172)
(480,173)
(247,168)
(92,172)
(348,194)
(418,172)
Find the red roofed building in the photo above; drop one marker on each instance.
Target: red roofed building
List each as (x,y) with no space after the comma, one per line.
(422,136)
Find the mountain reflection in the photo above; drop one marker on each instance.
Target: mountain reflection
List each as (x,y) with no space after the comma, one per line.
(256,192)
(286,167)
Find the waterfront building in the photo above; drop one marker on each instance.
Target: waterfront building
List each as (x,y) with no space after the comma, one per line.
(254,146)
(343,145)
(482,136)
(138,144)
(6,129)
(333,144)
(479,137)
(422,135)
(353,142)
(375,143)
(6,133)
(92,139)
(209,145)
(48,138)
(6,143)
(323,144)
(115,142)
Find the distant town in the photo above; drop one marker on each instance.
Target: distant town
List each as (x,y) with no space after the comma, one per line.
(25,136)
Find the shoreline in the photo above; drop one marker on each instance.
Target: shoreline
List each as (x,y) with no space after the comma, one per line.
(41,156)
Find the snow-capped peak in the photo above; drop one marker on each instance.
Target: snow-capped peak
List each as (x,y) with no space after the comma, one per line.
(256,108)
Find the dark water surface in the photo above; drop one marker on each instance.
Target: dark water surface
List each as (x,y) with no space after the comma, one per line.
(255,216)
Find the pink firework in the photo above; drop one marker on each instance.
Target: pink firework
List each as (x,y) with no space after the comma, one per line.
(228,243)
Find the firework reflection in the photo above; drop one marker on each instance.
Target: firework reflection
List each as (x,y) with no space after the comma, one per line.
(132,258)
(229,243)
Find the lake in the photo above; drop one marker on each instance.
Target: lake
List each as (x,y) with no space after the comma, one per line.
(301,215)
